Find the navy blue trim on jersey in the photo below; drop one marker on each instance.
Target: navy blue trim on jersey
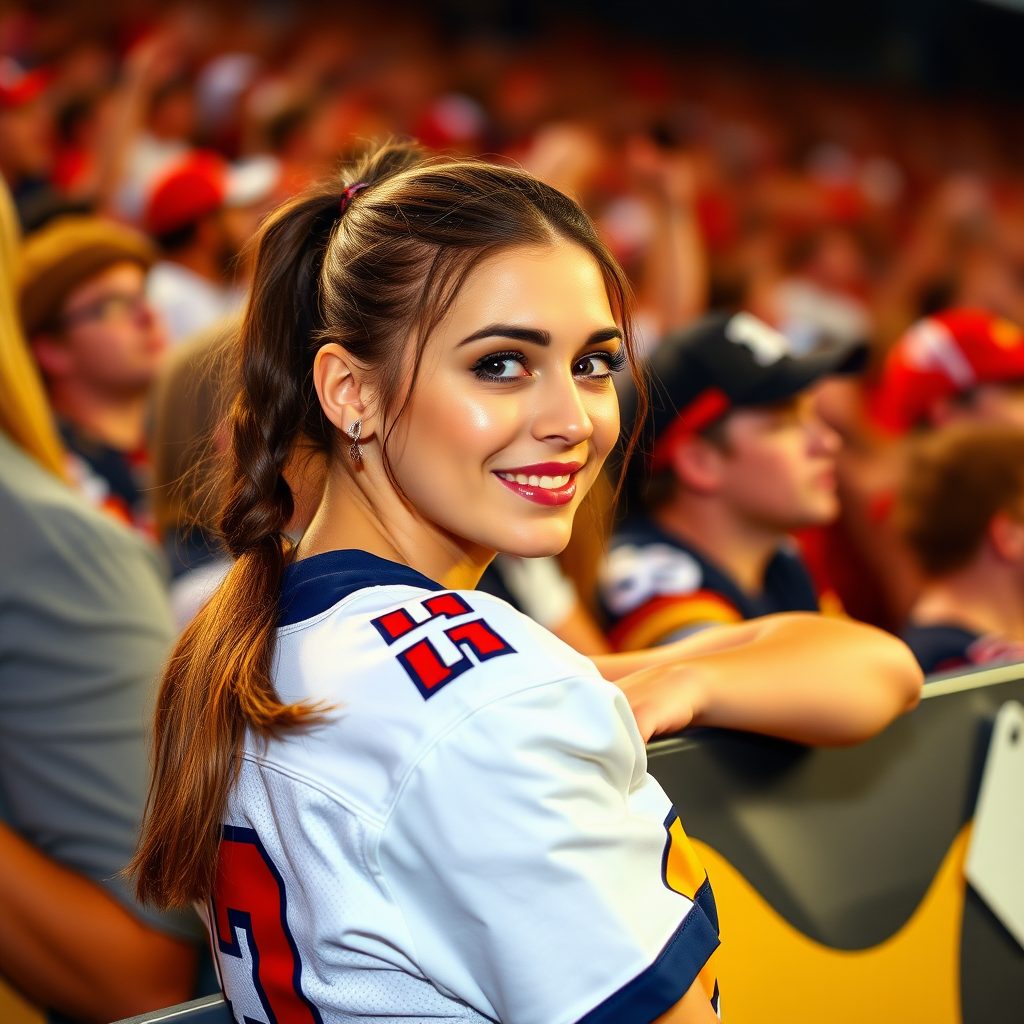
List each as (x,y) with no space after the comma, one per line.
(705,899)
(314,584)
(657,989)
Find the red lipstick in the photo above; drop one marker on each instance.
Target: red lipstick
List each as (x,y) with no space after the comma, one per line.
(546,483)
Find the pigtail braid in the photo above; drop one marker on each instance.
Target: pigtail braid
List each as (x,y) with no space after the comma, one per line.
(218,685)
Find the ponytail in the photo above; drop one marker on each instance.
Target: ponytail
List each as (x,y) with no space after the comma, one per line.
(218,682)
(413,229)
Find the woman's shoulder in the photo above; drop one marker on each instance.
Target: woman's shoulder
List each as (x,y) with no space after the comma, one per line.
(351,623)
(402,663)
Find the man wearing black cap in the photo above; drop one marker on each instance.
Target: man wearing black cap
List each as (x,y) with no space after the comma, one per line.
(732,459)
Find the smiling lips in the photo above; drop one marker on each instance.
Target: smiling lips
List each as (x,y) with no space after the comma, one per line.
(546,483)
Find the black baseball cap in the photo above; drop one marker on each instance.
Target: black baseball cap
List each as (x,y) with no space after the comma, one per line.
(722,362)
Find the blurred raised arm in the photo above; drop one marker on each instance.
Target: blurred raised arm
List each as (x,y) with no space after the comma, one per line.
(675,288)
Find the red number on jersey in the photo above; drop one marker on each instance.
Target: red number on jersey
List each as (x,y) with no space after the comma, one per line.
(421,660)
(249,899)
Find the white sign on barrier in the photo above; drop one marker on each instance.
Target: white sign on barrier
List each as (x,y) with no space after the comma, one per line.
(995,860)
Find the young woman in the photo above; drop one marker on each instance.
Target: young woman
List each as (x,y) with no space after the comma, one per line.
(396,797)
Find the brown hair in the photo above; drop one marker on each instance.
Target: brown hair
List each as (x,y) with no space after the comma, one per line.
(956,481)
(390,268)
(192,398)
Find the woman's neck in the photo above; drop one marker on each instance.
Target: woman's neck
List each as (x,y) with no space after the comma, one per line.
(377,520)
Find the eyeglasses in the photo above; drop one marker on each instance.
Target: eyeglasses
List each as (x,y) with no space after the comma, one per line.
(109,309)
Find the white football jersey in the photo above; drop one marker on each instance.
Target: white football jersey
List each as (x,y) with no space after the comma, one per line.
(469,835)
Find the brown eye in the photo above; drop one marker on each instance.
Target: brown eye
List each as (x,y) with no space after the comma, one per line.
(595,366)
(501,366)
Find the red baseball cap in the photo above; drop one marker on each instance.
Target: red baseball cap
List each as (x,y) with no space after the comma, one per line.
(18,86)
(204,182)
(191,190)
(942,356)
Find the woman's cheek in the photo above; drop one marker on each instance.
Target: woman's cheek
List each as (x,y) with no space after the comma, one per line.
(486,424)
(604,415)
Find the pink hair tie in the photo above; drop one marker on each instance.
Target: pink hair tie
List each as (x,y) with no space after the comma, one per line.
(346,196)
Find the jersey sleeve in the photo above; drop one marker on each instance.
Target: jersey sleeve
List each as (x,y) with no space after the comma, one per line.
(532,858)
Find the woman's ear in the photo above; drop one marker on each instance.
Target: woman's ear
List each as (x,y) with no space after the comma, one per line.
(342,389)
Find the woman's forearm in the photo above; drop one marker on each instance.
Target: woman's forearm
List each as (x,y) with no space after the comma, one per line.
(708,641)
(69,945)
(808,678)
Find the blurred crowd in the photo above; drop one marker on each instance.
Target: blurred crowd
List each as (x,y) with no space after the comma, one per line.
(830,284)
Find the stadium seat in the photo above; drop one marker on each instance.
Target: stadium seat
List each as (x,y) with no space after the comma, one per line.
(838,874)
(208,1010)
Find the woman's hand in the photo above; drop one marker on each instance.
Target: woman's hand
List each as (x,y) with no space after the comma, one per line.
(802,677)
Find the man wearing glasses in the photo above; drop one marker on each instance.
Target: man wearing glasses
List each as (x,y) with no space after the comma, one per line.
(99,347)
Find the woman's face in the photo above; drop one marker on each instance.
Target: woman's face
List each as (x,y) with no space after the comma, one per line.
(513,411)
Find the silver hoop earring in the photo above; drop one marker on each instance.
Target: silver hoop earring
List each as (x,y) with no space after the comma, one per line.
(355,449)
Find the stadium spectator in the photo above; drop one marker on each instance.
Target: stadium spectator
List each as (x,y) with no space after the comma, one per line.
(99,347)
(202,212)
(26,138)
(955,365)
(961,511)
(739,459)
(961,364)
(84,627)
(821,302)
(192,399)
(190,404)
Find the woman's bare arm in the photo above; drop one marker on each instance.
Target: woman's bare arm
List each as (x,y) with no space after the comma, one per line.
(802,677)
(708,641)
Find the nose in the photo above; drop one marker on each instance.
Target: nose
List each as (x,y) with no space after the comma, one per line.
(560,416)
(823,439)
(144,313)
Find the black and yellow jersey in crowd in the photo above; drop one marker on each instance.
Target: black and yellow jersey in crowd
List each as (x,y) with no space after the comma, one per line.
(655,588)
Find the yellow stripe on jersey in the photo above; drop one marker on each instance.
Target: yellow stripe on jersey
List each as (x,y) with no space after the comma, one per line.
(682,870)
(683,873)
(663,616)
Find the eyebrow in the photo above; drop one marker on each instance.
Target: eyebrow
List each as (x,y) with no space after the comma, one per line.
(535,336)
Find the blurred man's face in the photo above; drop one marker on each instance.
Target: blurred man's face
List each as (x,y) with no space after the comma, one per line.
(25,140)
(987,403)
(112,342)
(174,115)
(778,467)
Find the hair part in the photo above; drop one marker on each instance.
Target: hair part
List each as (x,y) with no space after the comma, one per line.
(386,272)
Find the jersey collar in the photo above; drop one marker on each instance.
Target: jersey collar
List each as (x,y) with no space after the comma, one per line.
(314,584)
